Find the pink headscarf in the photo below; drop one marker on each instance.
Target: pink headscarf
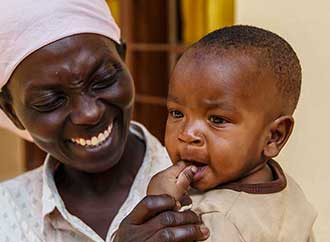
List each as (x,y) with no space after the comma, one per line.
(28,25)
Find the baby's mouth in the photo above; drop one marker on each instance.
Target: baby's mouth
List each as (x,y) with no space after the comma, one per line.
(200,173)
(201,168)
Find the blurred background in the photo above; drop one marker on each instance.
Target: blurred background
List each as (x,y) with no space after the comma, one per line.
(158,31)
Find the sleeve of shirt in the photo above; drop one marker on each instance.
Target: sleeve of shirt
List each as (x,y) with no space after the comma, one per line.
(221,229)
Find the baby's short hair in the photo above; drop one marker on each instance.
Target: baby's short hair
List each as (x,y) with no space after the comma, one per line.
(268,48)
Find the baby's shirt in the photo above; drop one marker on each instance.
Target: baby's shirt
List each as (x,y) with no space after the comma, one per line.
(276,211)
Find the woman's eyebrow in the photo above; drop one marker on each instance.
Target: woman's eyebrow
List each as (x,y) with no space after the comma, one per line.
(98,64)
(40,87)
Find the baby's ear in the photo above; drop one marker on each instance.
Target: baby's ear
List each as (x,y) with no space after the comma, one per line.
(279,133)
(7,108)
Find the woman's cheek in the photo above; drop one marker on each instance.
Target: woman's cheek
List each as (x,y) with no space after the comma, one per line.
(121,95)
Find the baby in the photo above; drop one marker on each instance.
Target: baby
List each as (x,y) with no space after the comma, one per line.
(230,102)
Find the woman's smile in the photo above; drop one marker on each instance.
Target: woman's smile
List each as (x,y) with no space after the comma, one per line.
(94,141)
(100,144)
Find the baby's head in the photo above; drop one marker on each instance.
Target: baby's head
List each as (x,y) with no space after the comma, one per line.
(231,99)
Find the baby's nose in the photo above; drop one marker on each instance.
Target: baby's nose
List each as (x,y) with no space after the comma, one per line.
(192,137)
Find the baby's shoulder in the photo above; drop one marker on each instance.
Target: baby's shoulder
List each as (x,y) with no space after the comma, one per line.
(217,200)
(280,216)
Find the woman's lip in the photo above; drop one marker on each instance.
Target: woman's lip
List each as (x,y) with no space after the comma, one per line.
(96,139)
(95,135)
(97,148)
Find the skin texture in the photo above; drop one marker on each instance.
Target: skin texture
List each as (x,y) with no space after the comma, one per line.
(224,118)
(75,88)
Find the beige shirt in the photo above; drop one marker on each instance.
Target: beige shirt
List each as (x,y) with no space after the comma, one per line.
(31,209)
(276,211)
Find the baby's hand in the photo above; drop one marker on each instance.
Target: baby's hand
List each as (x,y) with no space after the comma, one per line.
(174,181)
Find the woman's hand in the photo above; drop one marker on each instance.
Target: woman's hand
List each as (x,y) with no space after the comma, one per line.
(156,219)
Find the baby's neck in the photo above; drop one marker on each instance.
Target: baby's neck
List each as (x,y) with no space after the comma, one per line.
(260,174)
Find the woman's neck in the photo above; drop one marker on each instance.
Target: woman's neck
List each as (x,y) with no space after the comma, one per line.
(119,177)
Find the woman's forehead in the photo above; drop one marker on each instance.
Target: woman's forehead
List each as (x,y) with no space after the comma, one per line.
(76,54)
(90,43)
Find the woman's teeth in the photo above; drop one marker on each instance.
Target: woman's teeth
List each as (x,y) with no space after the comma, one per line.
(95,140)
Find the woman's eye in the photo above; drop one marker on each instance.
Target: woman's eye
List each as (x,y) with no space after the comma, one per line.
(49,105)
(176,114)
(217,120)
(106,82)
(103,84)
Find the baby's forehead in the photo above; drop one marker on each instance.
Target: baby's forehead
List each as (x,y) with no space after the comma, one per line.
(242,69)
(235,75)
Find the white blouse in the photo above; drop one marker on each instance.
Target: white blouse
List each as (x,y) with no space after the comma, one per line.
(31,209)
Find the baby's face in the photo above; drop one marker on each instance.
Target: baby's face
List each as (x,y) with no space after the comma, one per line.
(218,118)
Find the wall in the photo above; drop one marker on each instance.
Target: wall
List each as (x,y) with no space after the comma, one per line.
(10,155)
(306,25)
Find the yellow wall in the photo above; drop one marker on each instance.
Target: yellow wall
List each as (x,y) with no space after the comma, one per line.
(199,17)
(114,7)
(306,25)
(10,155)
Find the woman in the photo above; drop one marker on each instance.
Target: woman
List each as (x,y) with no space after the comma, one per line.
(64,81)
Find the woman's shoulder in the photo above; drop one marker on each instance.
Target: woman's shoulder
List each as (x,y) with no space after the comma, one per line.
(23,192)
(21,206)
(153,145)
(155,151)
(25,180)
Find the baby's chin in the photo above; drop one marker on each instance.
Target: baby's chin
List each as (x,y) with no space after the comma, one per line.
(202,186)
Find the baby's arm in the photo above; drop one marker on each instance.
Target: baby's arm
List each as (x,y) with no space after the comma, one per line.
(174,181)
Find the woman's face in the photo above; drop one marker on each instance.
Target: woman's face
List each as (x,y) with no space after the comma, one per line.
(75,97)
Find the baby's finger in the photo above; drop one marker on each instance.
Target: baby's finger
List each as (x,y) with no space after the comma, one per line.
(176,169)
(186,177)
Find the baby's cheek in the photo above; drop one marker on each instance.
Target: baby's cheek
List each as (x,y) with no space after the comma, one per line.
(171,147)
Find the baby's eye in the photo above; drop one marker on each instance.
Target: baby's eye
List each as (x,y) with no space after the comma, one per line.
(176,114)
(217,120)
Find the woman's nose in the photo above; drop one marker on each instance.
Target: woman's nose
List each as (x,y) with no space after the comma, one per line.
(192,135)
(86,111)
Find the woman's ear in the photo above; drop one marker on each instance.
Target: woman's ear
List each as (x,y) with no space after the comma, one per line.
(121,48)
(7,108)
(279,133)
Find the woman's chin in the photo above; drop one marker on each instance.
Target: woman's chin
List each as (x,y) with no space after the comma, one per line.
(97,158)
(96,167)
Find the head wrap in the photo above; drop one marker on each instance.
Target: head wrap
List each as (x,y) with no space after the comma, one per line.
(28,25)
